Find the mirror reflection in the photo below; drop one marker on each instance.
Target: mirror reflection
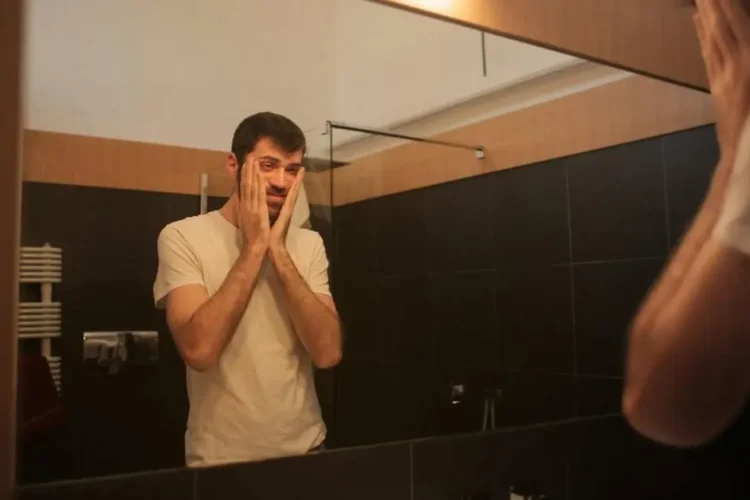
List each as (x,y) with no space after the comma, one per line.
(345,238)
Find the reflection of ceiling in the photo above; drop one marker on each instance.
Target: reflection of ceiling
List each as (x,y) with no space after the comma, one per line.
(160,72)
(167,86)
(421,67)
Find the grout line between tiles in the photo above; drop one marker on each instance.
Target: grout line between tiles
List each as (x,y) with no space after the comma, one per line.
(411,471)
(570,218)
(434,274)
(571,274)
(438,366)
(530,268)
(195,485)
(620,261)
(497,335)
(666,195)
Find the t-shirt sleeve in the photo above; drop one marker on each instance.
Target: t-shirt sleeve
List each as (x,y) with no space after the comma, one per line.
(317,276)
(733,226)
(178,265)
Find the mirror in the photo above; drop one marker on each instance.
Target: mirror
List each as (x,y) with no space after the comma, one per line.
(492,213)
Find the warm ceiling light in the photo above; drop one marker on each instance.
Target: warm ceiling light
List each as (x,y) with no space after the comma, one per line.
(433,4)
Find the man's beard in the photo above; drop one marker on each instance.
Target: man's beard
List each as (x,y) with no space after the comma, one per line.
(273,217)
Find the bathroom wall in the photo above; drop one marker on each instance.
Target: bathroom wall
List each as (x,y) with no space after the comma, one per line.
(130,421)
(522,280)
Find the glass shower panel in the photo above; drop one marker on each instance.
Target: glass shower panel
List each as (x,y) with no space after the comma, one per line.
(401,289)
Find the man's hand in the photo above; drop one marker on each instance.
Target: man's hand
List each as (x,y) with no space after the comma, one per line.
(277,238)
(252,212)
(724,32)
(315,319)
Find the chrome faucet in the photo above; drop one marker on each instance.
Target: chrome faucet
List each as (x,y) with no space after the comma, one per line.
(111,350)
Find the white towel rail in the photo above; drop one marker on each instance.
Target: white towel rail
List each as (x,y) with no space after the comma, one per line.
(41,320)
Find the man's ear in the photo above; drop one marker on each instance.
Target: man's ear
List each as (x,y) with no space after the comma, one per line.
(232,165)
(234,168)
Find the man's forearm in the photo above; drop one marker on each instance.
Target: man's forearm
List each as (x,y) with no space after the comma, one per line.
(693,377)
(317,326)
(691,244)
(649,341)
(214,323)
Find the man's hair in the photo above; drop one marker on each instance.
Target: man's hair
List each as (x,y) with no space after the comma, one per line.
(280,129)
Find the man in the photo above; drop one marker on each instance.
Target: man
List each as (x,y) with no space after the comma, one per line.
(688,371)
(248,304)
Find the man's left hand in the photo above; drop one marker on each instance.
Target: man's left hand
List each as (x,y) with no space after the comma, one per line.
(277,241)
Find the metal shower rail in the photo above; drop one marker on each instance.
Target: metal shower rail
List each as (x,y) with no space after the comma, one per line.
(479,151)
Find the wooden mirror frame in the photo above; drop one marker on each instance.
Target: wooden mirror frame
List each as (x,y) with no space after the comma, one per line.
(11,27)
(654,38)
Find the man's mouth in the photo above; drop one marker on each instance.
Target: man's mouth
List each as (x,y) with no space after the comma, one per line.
(275,199)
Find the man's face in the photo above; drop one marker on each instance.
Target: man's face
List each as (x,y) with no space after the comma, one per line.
(278,169)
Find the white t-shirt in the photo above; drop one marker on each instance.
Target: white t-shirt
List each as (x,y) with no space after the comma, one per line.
(733,226)
(260,402)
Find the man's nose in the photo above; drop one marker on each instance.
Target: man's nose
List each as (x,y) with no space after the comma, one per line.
(277,178)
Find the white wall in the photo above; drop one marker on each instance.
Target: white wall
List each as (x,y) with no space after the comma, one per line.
(176,72)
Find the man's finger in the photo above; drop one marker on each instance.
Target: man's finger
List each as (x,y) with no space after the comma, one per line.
(296,187)
(718,30)
(261,202)
(736,18)
(252,183)
(260,193)
(241,181)
(246,178)
(711,48)
(291,199)
(701,31)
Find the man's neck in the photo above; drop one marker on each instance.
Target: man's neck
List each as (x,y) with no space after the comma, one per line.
(229,210)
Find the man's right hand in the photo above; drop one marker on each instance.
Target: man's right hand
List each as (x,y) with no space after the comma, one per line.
(724,33)
(252,211)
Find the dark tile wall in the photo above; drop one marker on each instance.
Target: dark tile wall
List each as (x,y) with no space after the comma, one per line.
(520,281)
(135,420)
(577,460)
(161,485)
(588,459)
(371,473)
